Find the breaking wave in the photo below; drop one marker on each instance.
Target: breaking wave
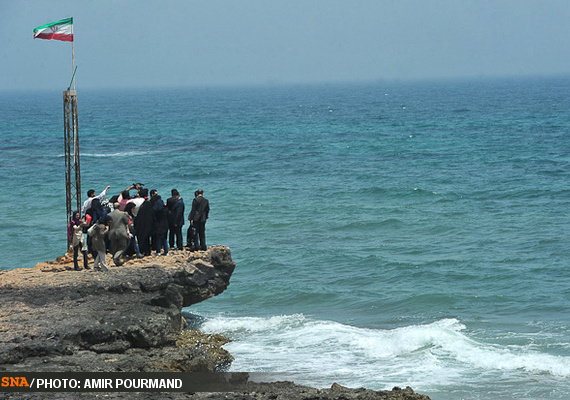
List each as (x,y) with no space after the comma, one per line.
(321,352)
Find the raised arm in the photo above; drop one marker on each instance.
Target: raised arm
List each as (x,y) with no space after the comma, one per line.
(103,193)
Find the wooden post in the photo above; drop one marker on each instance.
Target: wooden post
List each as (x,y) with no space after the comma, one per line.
(71,144)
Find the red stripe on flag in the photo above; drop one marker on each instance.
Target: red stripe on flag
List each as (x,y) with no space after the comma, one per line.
(56,36)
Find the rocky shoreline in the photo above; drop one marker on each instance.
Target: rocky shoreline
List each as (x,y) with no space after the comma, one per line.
(129,319)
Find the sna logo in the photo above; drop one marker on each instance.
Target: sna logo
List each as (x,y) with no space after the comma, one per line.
(15,381)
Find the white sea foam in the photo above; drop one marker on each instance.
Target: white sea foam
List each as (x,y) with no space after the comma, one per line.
(117,154)
(319,352)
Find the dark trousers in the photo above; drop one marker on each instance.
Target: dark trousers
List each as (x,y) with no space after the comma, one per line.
(190,237)
(144,244)
(76,250)
(200,235)
(175,232)
(90,247)
(159,242)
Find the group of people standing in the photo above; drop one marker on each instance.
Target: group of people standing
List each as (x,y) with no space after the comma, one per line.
(133,225)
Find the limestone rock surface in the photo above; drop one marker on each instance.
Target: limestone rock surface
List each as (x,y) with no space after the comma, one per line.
(54,318)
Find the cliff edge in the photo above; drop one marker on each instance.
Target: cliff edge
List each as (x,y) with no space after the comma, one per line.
(127,319)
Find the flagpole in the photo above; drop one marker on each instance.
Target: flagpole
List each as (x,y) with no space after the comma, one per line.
(73,57)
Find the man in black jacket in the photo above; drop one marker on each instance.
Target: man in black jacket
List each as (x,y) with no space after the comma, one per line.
(160,213)
(175,206)
(198,217)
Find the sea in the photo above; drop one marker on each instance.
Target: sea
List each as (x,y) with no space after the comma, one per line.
(386,234)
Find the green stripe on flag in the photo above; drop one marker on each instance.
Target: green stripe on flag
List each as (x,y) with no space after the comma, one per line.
(61,22)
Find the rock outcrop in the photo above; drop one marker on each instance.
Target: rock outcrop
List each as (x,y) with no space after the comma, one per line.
(290,391)
(126,319)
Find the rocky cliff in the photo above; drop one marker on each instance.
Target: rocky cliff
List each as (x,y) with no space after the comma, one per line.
(127,319)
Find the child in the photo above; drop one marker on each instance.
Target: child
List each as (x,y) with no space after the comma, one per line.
(100,230)
(75,236)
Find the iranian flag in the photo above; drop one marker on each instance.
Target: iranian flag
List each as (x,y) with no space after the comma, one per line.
(59,30)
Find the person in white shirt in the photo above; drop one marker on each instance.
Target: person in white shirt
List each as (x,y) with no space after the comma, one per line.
(90,197)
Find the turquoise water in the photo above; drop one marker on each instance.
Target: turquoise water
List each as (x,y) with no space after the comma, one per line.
(385,234)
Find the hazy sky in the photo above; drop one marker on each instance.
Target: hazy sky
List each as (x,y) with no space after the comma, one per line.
(137,43)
